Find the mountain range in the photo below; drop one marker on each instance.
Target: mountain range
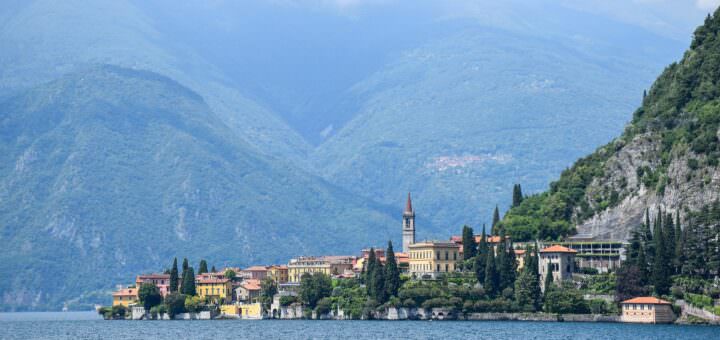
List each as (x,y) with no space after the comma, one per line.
(245,133)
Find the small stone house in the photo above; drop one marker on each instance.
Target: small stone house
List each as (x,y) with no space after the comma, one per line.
(560,259)
(647,309)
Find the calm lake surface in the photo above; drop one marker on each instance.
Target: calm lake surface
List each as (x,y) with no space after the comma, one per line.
(87,325)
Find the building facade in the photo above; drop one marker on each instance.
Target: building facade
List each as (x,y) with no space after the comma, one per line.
(254,272)
(279,273)
(604,256)
(560,260)
(214,288)
(328,265)
(408,225)
(433,257)
(248,291)
(125,297)
(162,281)
(647,309)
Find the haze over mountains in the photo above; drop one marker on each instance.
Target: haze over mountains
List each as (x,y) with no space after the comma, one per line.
(132,132)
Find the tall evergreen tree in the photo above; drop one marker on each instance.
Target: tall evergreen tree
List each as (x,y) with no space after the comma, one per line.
(635,246)
(202,268)
(648,244)
(184,270)
(481,258)
(188,287)
(669,241)
(392,273)
(369,270)
(527,288)
(378,282)
(174,277)
(506,266)
(517,195)
(660,273)
(213,269)
(548,277)
(678,258)
(492,281)
(495,221)
(642,267)
(469,245)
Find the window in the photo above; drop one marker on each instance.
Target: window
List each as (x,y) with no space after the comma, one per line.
(437,255)
(650,307)
(446,268)
(446,256)
(454,255)
(437,268)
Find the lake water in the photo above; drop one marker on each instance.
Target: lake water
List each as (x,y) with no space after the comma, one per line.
(87,325)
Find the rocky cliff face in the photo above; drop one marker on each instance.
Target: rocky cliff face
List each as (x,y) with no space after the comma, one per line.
(687,189)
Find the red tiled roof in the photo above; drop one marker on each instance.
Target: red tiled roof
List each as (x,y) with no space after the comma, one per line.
(251,284)
(211,280)
(558,249)
(126,292)
(647,300)
(519,251)
(255,269)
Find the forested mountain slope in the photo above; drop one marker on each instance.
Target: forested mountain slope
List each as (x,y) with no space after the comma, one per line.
(667,157)
(108,172)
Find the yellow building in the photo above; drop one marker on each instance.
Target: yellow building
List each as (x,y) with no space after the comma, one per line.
(279,273)
(125,297)
(244,311)
(433,257)
(214,288)
(329,265)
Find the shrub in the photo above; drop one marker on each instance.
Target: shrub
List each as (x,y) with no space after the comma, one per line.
(698,300)
(287,300)
(409,303)
(323,306)
(587,270)
(598,306)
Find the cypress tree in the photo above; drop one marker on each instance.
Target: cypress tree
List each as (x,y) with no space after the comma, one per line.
(184,270)
(548,277)
(369,272)
(202,269)
(660,274)
(188,287)
(481,258)
(213,269)
(378,282)
(517,195)
(174,277)
(492,284)
(495,221)
(468,240)
(669,242)
(392,273)
(648,244)
(678,258)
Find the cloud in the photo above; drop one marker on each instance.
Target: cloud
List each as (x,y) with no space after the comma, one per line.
(707,5)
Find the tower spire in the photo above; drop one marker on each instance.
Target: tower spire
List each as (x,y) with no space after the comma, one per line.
(408,205)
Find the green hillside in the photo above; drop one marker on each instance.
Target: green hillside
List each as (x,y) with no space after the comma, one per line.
(109,172)
(677,129)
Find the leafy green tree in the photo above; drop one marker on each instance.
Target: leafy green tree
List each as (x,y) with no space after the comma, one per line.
(392,272)
(492,279)
(268,289)
(174,277)
(188,286)
(175,304)
(202,269)
(149,295)
(469,245)
(495,221)
(314,287)
(565,299)
(229,274)
(629,282)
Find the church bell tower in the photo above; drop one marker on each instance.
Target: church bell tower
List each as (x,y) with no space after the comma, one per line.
(408,225)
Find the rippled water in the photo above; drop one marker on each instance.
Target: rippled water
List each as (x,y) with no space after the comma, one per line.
(87,325)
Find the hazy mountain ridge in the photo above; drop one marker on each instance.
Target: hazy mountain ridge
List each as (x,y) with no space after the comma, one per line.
(101,182)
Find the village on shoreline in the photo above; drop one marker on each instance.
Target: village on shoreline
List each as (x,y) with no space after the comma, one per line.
(467,277)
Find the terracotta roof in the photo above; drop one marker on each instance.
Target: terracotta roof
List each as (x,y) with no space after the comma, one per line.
(153,276)
(647,300)
(408,204)
(126,292)
(211,280)
(558,249)
(251,284)
(519,251)
(255,269)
